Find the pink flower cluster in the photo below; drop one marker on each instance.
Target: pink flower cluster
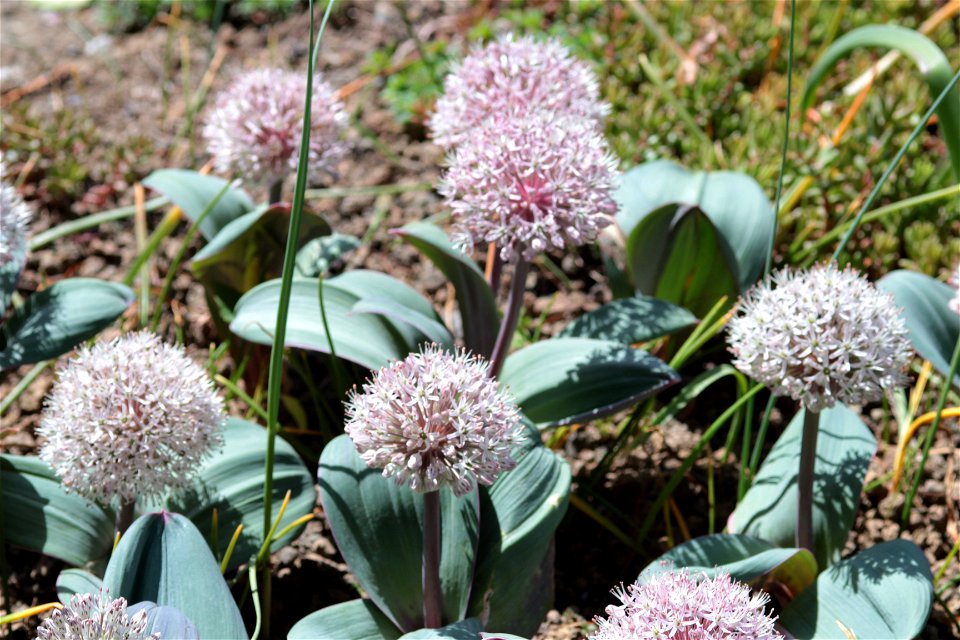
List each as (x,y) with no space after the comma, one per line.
(130,418)
(531,185)
(257,122)
(434,419)
(529,168)
(675,605)
(514,76)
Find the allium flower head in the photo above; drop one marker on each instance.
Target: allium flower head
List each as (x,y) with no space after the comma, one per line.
(672,604)
(256,125)
(821,336)
(543,181)
(129,418)
(95,617)
(434,419)
(514,76)
(14,223)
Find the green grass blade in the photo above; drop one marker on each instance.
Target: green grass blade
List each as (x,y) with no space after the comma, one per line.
(948,90)
(928,57)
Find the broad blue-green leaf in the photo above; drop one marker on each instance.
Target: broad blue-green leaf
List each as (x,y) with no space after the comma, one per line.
(248,251)
(933,63)
(192,192)
(353,620)
(231,481)
(566,380)
(53,321)
(425,325)
(631,320)
(71,581)
(478,309)
(933,325)
(884,592)
(40,515)
(368,340)
(163,558)
(319,255)
(500,636)
(677,254)
(519,514)
(376,286)
(745,558)
(169,622)
(734,202)
(468,629)
(378,529)
(769,508)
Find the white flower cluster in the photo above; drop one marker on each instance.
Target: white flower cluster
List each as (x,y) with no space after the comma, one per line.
(129,418)
(675,605)
(821,336)
(434,419)
(99,617)
(14,223)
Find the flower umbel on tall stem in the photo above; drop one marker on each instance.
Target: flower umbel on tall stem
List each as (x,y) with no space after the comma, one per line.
(129,418)
(530,183)
(515,75)
(821,336)
(95,617)
(674,604)
(255,127)
(434,419)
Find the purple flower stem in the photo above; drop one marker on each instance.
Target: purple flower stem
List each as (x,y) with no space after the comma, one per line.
(276,191)
(432,594)
(808,459)
(495,269)
(124,517)
(510,316)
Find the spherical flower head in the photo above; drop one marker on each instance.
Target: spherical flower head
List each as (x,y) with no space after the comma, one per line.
(955,281)
(517,76)
(821,336)
(257,122)
(129,418)
(14,224)
(531,184)
(673,604)
(95,617)
(434,419)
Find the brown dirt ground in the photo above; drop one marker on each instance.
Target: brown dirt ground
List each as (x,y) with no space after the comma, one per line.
(123,90)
